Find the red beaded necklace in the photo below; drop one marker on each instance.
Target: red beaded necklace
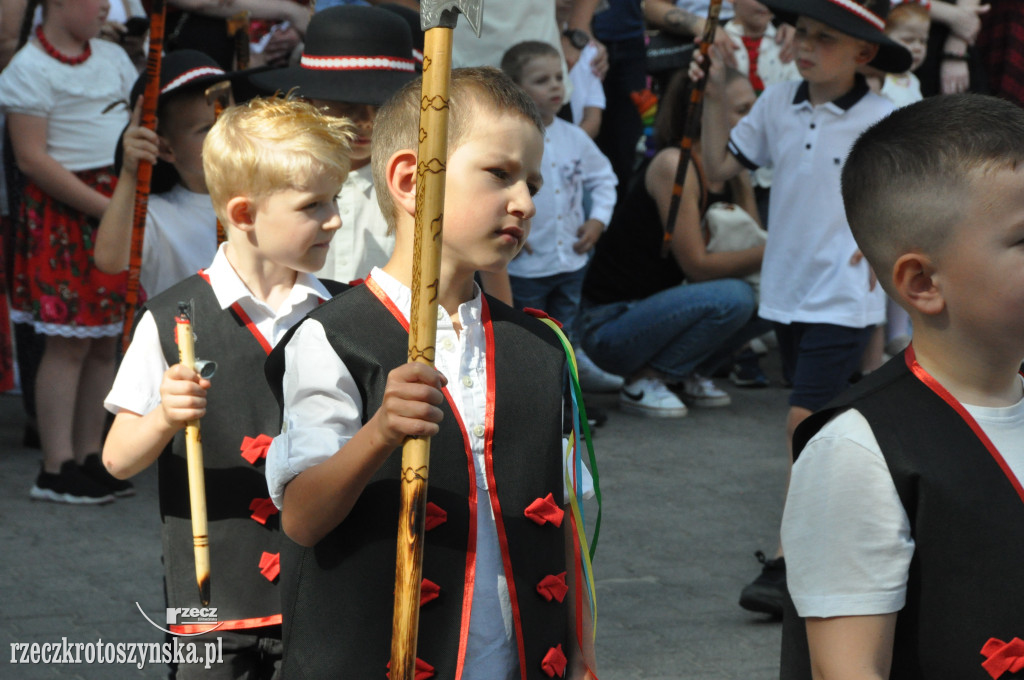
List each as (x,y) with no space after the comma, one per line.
(57,54)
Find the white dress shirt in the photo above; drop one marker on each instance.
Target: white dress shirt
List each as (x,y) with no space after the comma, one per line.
(363,241)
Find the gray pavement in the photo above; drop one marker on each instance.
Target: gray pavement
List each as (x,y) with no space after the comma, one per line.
(686,503)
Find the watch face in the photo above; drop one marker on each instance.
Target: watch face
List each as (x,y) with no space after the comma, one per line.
(578,38)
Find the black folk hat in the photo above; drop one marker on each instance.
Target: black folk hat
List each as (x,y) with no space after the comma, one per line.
(354,54)
(864,20)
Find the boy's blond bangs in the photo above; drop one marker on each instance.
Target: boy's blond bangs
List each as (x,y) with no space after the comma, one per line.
(482,90)
(272,144)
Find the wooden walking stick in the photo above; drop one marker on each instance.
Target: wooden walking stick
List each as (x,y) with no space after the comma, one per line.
(150,96)
(437,18)
(194,455)
(238,31)
(219,94)
(690,124)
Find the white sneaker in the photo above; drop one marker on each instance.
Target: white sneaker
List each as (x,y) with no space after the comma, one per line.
(651,398)
(700,392)
(593,378)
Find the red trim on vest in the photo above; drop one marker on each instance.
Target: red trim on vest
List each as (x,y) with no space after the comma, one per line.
(492,484)
(436,516)
(541,314)
(270,565)
(1002,657)
(429,591)
(554,662)
(237,309)
(262,509)
(944,394)
(467,594)
(423,670)
(553,587)
(255,448)
(544,510)
(239,624)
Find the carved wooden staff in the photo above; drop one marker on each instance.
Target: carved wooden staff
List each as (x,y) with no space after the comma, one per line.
(690,124)
(194,456)
(437,18)
(219,94)
(238,31)
(150,96)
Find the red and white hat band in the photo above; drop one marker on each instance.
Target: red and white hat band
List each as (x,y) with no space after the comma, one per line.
(862,12)
(357,63)
(190,75)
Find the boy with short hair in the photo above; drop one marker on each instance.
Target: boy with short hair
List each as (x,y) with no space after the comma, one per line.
(334,74)
(273,168)
(815,285)
(499,588)
(904,523)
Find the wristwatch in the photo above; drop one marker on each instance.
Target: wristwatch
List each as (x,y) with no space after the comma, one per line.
(577,38)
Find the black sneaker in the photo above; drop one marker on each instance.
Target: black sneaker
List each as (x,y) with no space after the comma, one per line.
(70,486)
(766,593)
(93,466)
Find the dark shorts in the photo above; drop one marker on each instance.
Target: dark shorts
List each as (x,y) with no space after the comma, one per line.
(819,359)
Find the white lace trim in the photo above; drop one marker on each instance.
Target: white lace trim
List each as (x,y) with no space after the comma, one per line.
(113,329)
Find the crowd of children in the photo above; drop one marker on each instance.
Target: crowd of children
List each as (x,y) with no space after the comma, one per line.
(882,211)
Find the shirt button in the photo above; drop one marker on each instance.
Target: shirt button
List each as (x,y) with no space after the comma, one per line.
(467,381)
(808,146)
(448,344)
(478,430)
(440,313)
(813,126)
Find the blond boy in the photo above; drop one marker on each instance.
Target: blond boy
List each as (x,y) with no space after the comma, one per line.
(350,399)
(273,168)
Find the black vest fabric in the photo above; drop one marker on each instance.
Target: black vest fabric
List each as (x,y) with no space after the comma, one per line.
(240,404)
(967,519)
(338,597)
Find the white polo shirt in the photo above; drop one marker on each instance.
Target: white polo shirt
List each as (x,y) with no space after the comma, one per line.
(806,275)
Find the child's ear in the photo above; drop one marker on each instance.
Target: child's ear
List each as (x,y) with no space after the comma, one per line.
(914,280)
(241,212)
(867,53)
(401,179)
(163,150)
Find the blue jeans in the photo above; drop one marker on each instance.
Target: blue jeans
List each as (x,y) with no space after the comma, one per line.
(558,295)
(689,327)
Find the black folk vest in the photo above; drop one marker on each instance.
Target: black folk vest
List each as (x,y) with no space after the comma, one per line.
(338,596)
(242,417)
(966,511)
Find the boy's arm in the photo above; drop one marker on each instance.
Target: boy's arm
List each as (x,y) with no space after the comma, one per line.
(719,163)
(851,647)
(113,236)
(600,181)
(591,121)
(580,660)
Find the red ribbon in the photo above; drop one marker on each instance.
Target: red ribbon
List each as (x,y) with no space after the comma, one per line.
(255,449)
(554,662)
(1001,657)
(541,314)
(429,591)
(545,510)
(423,670)
(435,517)
(553,587)
(262,509)
(270,565)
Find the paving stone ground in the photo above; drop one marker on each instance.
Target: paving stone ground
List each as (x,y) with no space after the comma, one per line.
(686,504)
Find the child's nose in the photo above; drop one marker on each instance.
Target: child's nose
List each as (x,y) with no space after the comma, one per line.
(521,204)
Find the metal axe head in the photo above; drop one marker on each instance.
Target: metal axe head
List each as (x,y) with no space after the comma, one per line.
(444,13)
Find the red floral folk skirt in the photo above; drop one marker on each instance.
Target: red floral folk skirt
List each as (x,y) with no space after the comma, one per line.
(57,287)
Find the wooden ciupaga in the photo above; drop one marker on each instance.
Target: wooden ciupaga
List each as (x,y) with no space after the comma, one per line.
(437,18)
(194,455)
(150,96)
(690,124)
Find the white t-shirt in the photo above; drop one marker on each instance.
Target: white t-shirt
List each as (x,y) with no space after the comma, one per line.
(323,410)
(85,106)
(700,8)
(572,163)
(363,242)
(587,89)
(902,89)
(137,385)
(806,275)
(180,239)
(845,532)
